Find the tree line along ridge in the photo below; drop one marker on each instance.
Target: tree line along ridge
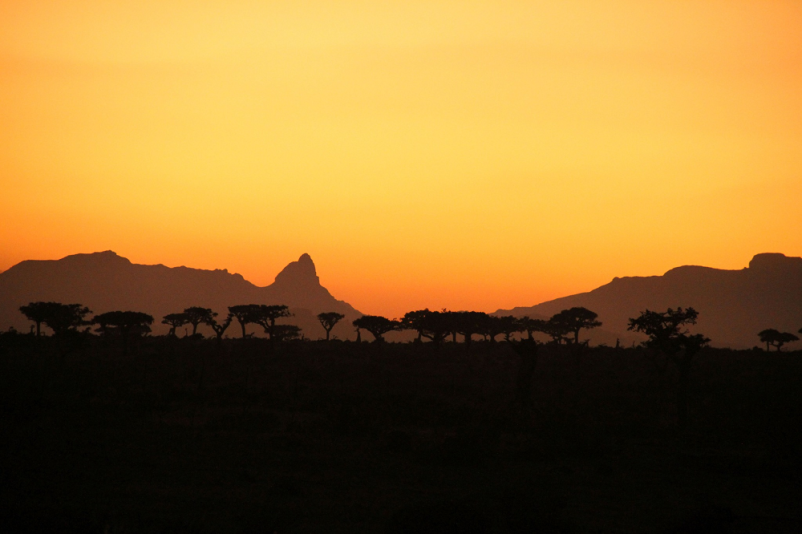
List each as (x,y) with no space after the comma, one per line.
(435,326)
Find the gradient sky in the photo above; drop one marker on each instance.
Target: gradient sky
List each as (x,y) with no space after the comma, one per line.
(469,155)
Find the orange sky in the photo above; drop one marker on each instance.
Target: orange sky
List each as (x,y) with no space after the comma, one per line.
(469,155)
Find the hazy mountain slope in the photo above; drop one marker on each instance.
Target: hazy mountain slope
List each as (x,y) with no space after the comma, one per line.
(105,281)
(733,305)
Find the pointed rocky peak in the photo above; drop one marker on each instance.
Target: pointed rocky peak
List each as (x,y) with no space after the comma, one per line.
(301,273)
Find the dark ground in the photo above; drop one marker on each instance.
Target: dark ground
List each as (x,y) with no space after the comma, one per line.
(180,436)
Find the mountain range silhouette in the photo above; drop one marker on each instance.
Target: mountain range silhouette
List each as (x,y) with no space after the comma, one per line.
(733,305)
(105,281)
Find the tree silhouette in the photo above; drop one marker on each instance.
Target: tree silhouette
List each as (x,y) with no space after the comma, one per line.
(776,338)
(67,317)
(64,318)
(376,325)
(452,321)
(575,319)
(175,320)
(126,323)
(328,320)
(37,312)
(436,326)
(469,323)
(767,336)
(668,334)
(530,326)
(509,325)
(557,329)
(666,330)
(432,325)
(266,317)
(245,314)
(414,321)
(58,317)
(219,328)
(197,315)
(285,332)
(785,337)
(491,327)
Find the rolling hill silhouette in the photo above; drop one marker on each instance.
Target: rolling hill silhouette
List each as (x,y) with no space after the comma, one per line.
(733,305)
(105,281)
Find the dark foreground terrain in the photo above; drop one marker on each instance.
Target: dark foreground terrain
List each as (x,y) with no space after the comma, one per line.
(182,435)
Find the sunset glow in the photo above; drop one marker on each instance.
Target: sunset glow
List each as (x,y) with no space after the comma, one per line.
(459,154)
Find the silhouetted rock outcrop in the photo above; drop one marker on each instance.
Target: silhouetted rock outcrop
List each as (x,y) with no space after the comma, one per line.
(733,305)
(104,281)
